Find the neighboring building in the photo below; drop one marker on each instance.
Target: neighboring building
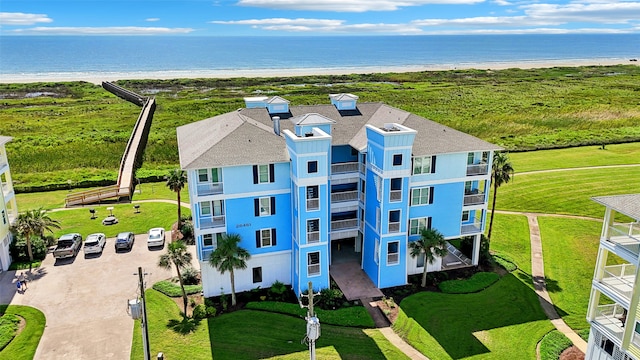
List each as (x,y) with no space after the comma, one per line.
(8,206)
(614,309)
(305,186)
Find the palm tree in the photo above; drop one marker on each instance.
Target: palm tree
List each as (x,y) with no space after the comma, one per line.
(34,222)
(432,245)
(501,173)
(228,256)
(178,256)
(176,180)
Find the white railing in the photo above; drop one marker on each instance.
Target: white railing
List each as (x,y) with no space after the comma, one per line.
(620,278)
(363,168)
(471,228)
(344,168)
(612,318)
(313,204)
(477,169)
(631,230)
(344,224)
(209,188)
(313,269)
(394,227)
(474,199)
(344,196)
(395,195)
(361,197)
(313,237)
(205,254)
(207,222)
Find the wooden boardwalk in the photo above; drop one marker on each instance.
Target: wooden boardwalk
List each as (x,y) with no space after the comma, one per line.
(131,159)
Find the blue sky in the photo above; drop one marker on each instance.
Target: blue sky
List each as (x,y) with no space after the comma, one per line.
(316,17)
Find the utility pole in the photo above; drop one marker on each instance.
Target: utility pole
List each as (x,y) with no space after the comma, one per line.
(145,330)
(313,324)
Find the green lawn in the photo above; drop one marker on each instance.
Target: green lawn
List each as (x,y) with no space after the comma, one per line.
(615,154)
(566,192)
(504,321)
(511,237)
(24,345)
(570,249)
(250,334)
(151,215)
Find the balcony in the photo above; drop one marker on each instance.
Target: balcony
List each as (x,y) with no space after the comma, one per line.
(624,240)
(348,224)
(477,169)
(618,281)
(610,320)
(471,228)
(473,199)
(209,188)
(313,237)
(313,204)
(342,168)
(208,222)
(344,196)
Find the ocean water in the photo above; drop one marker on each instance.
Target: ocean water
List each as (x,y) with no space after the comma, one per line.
(51,55)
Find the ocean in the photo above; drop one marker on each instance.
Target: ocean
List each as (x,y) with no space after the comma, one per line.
(54,56)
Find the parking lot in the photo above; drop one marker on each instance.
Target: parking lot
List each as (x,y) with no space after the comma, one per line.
(85,299)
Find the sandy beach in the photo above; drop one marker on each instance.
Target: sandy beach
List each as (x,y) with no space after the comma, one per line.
(97,77)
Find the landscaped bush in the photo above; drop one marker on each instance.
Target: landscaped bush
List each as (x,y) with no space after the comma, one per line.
(553,344)
(172,289)
(278,291)
(477,282)
(505,261)
(18,249)
(187,231)
(199,312)
(190,276)
(8,329)
(331,299)
(352,316)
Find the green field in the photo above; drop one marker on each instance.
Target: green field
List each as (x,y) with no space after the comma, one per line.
(79,133)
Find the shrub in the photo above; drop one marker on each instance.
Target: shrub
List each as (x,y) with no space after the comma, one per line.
(505,262)
(199,312)
(8,329)
(172,289)
(187,231)
(211,311)
(277,291)
(330,299)
(553,344)
(190,276)
(18,249)
(479,281)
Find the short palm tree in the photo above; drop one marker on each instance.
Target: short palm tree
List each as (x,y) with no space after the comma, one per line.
(176,180)
(229,256)
(431,244)
(178,256)
(501,173)
(34,222)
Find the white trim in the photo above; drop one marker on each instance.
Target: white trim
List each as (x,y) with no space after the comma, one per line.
(444,181)
(419,188)
(293,152)
(309,181)
(260,206)
(319,264)
(270,238)
(398,253)
(271,253)
(306,227)
(254,194)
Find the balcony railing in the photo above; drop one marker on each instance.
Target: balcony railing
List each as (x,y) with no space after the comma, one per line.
(394,227)
(313,204)
(471,228)
(344,196)
(313,237)
(207,222)
(620,279)
(209,188)
(344,168)
(205,254)
(611,319)
(473,199)
(626,236)
(348,224)
(361,197)
(395,195)
(477,169)
(363,168)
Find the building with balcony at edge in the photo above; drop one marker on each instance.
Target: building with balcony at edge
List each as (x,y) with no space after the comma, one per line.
(8,206)
(306,186)
(614,309)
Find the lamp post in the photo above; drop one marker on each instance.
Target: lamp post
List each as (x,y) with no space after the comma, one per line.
(313,324)
(145,330)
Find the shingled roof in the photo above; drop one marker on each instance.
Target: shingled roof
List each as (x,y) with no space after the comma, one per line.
(625,204)
(246,136)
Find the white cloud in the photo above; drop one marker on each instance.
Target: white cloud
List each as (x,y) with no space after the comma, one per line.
(117,30)
(517,21)
(347,5)
(529,31)
(606,12)
(152,19)
(7,18)
(283,22)
(322,26)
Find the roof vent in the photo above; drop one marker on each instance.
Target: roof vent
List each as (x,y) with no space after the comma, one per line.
(276,125)
(390,127)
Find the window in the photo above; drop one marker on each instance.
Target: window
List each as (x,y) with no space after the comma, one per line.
(203,175)
(205,208)
(376,255)
(470,158)
(465,216)
(397,159)
(263,174)
(265,238)
(636,334)
(424,165)
(4,217)
(313,203)
(393,256)
(264,206)
(313,263)
(394,221)
(422,196)
(257,274)
(378,219)
(312,167)
(420,261)
(207,239)
(607,345)
(416,225)
(396,190)
(313,231)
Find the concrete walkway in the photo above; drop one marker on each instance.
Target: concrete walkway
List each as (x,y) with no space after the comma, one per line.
(540,285)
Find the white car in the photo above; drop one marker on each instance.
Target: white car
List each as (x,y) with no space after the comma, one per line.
(94,244)
(156,237)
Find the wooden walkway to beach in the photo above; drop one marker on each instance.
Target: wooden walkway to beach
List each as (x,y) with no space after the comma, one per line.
(132,157)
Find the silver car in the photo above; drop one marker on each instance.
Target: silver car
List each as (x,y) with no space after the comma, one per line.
(94,244)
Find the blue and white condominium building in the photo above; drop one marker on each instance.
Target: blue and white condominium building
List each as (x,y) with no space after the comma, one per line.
(305,186)
(8,206)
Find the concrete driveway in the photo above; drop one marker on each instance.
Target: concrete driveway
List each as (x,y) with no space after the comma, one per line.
(85,300)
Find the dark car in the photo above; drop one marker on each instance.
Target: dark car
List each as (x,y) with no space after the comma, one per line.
(125,240)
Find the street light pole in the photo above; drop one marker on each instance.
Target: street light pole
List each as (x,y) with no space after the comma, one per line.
(313,324)
(145,332)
